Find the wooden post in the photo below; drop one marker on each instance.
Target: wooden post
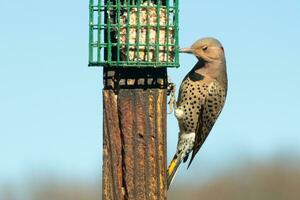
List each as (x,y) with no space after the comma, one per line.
(134,140)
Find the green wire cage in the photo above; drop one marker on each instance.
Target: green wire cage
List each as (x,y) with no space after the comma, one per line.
(133,33)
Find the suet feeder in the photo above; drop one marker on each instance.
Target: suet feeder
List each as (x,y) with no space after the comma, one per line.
(135,41)
(133,33)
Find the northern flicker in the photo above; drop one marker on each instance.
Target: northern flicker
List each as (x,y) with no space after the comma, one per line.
(201,98)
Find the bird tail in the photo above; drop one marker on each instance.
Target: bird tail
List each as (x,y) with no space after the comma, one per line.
(172,169)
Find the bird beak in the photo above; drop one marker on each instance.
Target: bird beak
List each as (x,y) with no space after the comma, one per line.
(188,50)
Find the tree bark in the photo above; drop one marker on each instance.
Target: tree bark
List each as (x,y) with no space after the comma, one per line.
(134,140)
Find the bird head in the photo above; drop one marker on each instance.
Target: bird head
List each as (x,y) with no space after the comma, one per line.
(206,49)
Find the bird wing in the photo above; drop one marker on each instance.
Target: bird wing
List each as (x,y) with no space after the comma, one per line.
(210,110)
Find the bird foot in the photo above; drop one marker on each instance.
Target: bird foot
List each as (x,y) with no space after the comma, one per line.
(171,92)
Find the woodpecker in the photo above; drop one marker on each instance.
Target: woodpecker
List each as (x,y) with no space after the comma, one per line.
(201,98)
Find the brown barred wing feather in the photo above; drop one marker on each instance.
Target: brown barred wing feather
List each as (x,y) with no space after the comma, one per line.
(210,110)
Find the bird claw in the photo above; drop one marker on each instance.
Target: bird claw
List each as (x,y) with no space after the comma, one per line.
(171,92)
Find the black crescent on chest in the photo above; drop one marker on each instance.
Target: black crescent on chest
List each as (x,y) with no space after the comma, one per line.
(195,76)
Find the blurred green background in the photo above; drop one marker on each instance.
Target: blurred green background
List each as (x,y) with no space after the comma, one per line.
(266,181)
(51,103)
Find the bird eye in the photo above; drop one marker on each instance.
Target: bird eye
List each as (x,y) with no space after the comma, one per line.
(204,48)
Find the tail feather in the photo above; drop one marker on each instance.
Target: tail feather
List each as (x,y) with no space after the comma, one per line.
(195,151)
(172,169)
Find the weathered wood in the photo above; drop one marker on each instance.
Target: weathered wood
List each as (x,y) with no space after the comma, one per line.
(134,148)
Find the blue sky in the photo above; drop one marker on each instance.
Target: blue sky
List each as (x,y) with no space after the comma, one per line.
(51,105)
